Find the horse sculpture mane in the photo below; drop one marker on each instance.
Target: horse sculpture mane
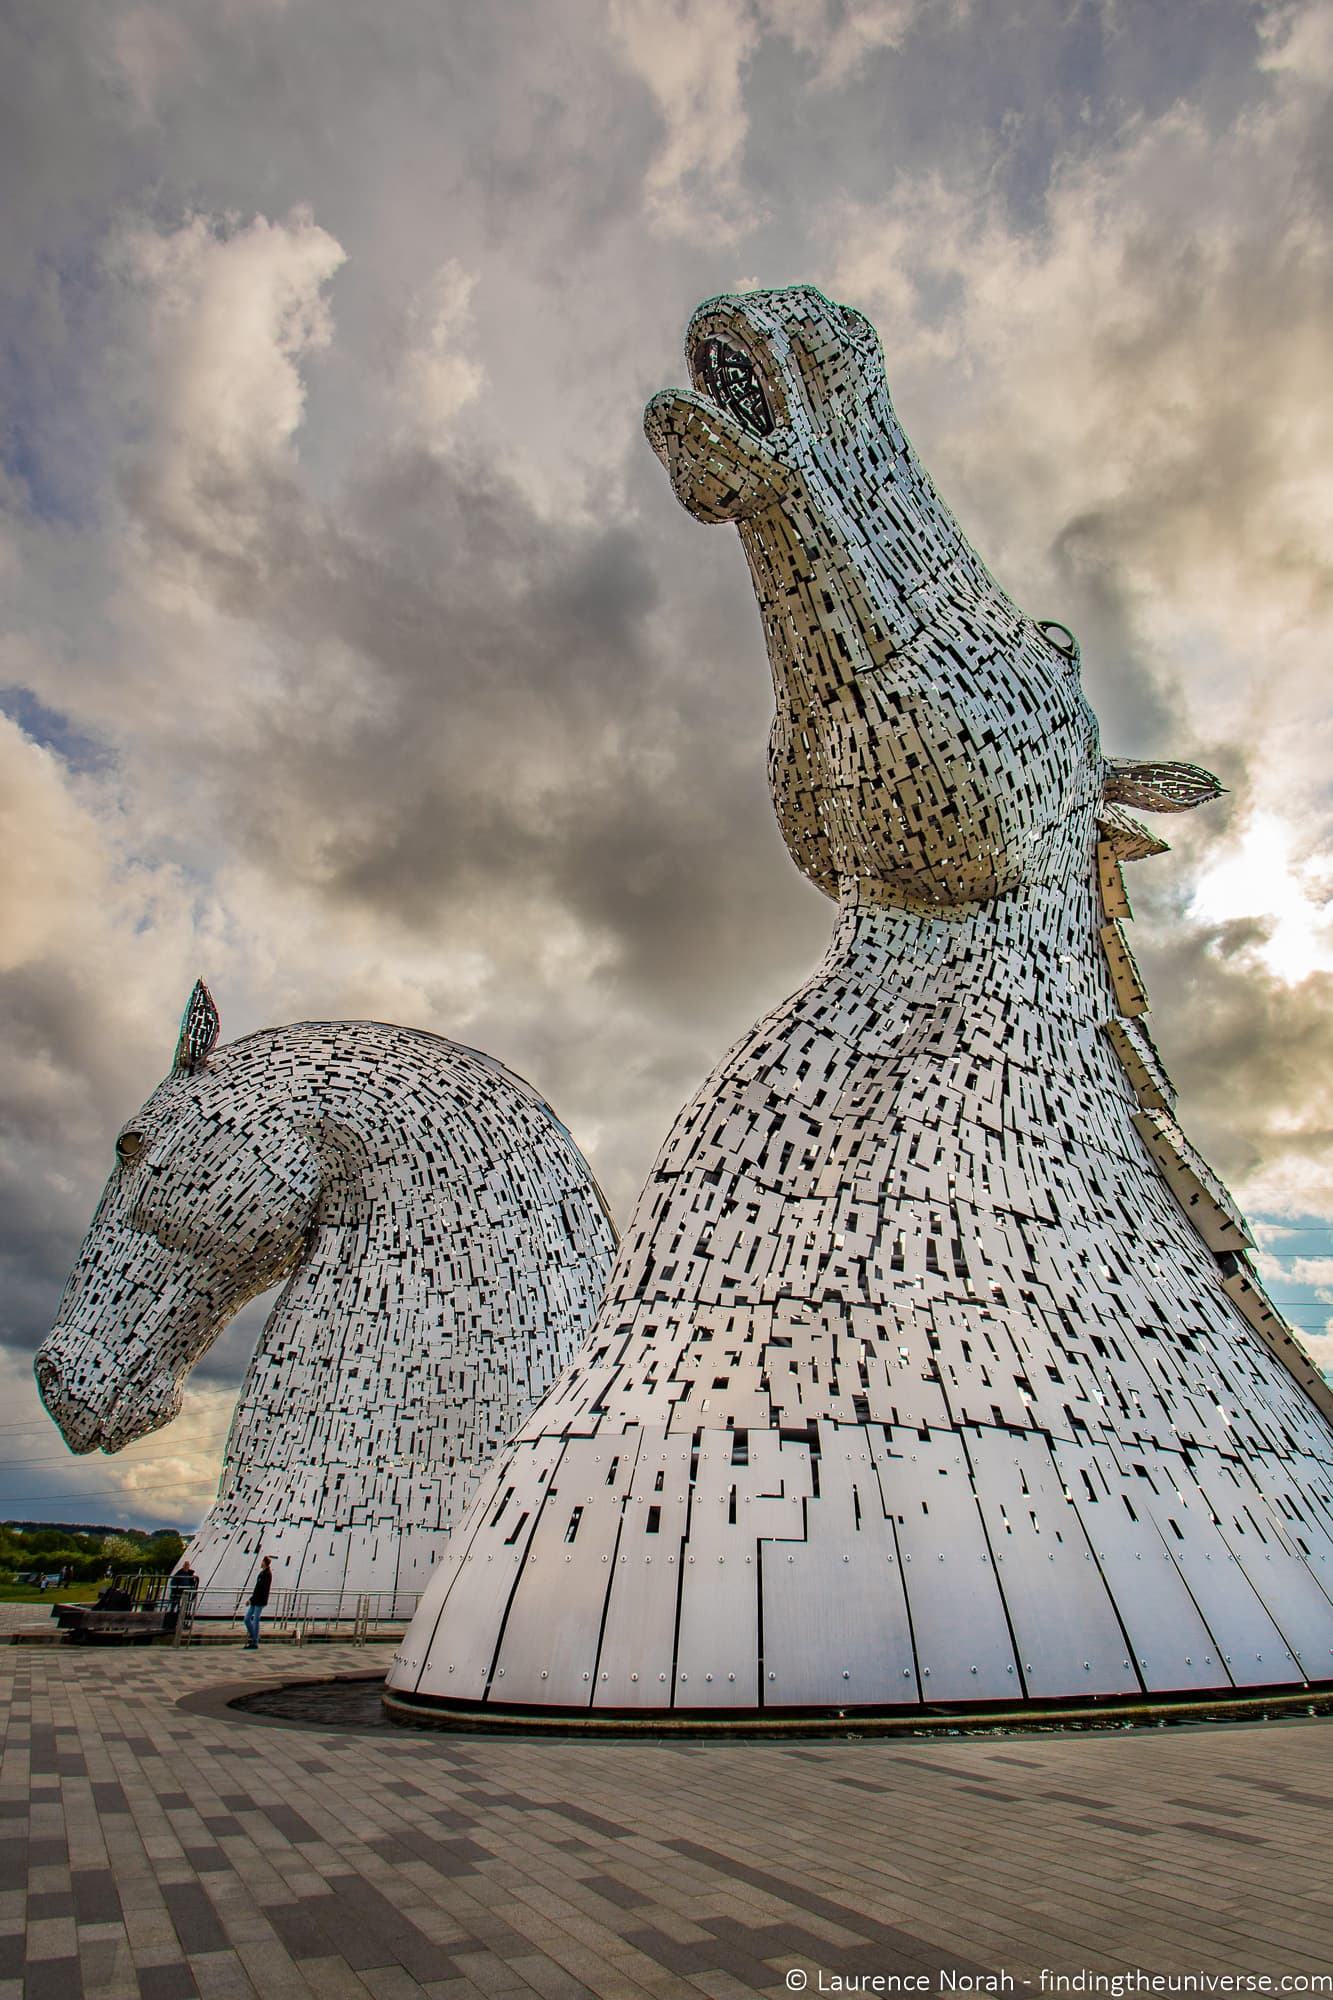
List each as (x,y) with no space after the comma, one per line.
(444,1247)
(931,1366)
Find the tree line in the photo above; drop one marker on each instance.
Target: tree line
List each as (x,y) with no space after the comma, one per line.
(83,1554)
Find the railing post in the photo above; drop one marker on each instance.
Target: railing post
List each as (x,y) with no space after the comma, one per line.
(184,1618)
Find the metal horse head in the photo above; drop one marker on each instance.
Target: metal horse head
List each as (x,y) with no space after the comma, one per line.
(204,1209)
(929,738)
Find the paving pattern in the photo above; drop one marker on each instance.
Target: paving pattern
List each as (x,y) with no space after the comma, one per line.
(156,1853)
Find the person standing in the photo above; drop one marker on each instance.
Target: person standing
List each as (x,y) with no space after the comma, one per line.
(180,1596)
(254,1611)
(183,1580)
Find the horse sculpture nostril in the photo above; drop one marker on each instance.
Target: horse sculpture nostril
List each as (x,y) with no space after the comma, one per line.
(730,378)
(48,1381)
(66,1404)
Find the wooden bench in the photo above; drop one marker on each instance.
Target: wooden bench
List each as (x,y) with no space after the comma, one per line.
(85,1624)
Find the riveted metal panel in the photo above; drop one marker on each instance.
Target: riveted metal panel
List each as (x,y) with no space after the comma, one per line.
(1299,1489)
(1253,1649)
(1063,1620)
(717,1663)
(962,1641)
(1278,1571)
(839,1592)
(1170,1644)
(456,1630)
(636,1661)
(549,1650)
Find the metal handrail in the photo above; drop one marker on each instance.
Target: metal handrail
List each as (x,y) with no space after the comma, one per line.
(302,1614)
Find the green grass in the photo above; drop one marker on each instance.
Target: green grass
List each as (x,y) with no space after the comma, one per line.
(59,1593)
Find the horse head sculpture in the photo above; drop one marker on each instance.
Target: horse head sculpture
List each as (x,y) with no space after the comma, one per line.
(931,1367)
(201,1214)
(928,737)
(444,1246)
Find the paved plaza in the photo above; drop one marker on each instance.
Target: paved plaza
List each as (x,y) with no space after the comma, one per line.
(154,1852)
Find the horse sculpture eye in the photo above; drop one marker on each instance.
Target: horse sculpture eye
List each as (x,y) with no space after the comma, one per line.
(1061,640)
(729,377)
(128,1147)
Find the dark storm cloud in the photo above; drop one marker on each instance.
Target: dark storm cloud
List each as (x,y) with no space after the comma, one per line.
(1251,1053)
(539,716)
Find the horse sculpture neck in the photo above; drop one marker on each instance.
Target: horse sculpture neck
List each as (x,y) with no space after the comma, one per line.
(442,1286)
(864,1132)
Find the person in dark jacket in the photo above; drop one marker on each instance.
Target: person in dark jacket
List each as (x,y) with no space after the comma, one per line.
(184,1579)
(258,1599)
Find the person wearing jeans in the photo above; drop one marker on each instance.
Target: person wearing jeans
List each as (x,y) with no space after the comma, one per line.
(254,1611)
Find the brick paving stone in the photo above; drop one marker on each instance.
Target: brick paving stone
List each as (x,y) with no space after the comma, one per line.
(221,1976)
(149,1852)
(490,1975)
(167,1982)
(273,1974)
(53,1979)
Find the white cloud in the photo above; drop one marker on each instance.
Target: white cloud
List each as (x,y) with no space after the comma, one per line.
(842,38)
(1297,37)
(75,887)
(692,55)
(436,377)
(152,51)
(232,311)
(1314,1271)
(1257,874)
(55,863)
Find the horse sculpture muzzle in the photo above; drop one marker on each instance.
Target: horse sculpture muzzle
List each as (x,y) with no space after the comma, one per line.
(163,1267)
(102,1392)
(124,1411)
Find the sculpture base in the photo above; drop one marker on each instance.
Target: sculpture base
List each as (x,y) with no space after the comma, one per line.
(1115,1712)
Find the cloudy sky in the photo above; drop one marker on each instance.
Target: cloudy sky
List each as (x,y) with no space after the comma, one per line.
(356,655)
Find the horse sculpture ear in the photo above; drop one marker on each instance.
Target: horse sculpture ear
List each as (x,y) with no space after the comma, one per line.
(1153,787)
(200,1028)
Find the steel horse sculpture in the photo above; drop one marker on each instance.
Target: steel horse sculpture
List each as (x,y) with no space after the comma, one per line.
(932,1368)
(444,1246)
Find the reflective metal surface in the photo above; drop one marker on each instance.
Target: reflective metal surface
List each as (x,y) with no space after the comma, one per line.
(931,1367)
(445,1248)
